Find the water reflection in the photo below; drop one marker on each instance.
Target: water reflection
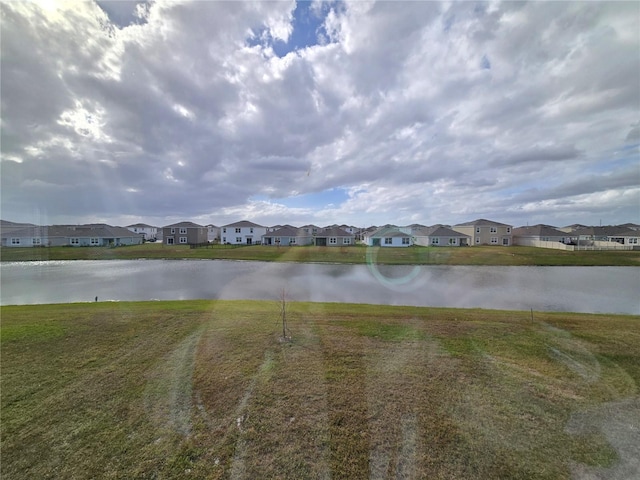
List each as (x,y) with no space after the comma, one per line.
(582,289)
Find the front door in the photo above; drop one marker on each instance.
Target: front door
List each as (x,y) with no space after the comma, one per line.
(321,242)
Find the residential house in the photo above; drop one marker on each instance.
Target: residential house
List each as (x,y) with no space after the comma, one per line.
(213,234)
(148,232)
(572,228)
(310,229)
(610,233)
(388,236)
(532,236)
(90,235)
(242,233)
(486,232)
(631,226)
(333,237)
(439,236)
(288,236)
(184,233)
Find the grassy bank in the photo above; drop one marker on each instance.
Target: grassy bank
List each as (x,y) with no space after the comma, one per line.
(206,389)
(482,255)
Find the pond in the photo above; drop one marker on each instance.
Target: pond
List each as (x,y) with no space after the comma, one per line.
(576,289)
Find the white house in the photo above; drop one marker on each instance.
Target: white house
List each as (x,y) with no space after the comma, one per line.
(242,233)
(147,231)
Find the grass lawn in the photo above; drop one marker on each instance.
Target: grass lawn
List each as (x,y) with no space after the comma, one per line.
(206,389)
(358,254)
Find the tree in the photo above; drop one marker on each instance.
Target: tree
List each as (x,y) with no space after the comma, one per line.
(283,315)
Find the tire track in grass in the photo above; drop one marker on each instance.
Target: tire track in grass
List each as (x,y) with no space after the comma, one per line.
(238,463)
(168,396)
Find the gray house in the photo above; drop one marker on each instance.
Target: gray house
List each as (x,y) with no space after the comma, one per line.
(486,232)
(184,233)
(90,235)
(333,237)
(440,236)
(531,236)
(288,236)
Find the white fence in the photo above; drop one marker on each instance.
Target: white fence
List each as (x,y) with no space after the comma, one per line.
(584,245)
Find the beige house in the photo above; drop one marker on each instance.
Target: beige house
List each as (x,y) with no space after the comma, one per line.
(486,232)
(184,233)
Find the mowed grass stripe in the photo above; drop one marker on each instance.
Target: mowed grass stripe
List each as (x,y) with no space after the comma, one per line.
(207,389)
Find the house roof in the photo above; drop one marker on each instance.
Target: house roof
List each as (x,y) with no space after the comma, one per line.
(244,223)
(438,231)
(140,225)
(333,232)
(184,225)
(607,231)
(575,226)
(100,230)
(482,222)
(287,231)
(632,226)
(539,230)
(390,233)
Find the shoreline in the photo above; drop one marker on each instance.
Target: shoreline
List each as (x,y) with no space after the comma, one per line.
(353,255)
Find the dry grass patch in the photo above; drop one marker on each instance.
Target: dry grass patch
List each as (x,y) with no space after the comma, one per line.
(208,390)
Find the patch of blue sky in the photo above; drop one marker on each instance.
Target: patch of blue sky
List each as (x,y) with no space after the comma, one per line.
(308,29)
(485,64)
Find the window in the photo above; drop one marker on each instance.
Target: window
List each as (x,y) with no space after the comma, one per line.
(333,241)
(292,241)
(15,241)
(169,240)
(224,230)
(224,239)
(251,230)
(346,241)
(477,240)
(238,230)
(435,241)
(388,241)
(75,241)
(36,241)
(494,240)
(183,230)
(453,241)
(494,229)
(633,240)
(508,229)
(505,241)
(276,239)
(183,240)
(95,241)
(405,241)
(477,229)
(238,239)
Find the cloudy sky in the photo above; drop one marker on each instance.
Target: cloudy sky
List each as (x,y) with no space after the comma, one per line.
(323,112)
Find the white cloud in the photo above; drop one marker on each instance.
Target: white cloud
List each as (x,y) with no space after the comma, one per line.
(423,111)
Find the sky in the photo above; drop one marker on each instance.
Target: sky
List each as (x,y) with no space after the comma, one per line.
(359,113)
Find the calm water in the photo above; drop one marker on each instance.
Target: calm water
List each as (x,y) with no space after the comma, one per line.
(578,289)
